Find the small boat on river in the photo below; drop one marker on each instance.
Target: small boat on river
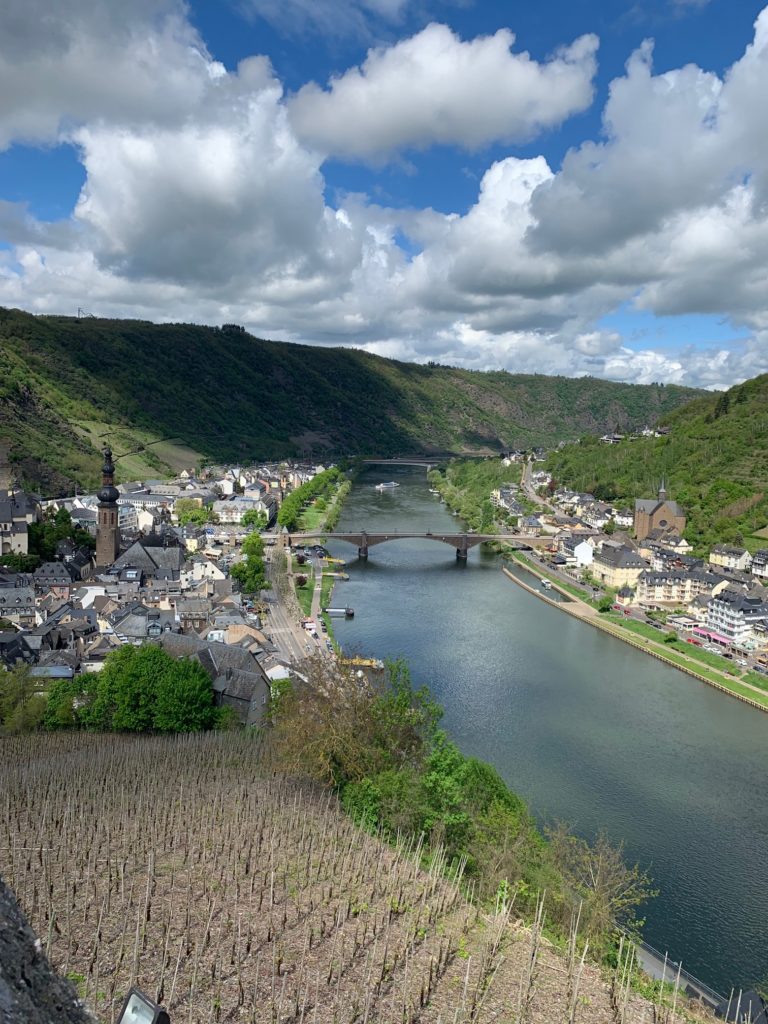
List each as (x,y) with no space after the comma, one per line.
(387,486)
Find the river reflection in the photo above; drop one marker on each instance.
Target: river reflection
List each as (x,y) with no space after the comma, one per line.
(584,727)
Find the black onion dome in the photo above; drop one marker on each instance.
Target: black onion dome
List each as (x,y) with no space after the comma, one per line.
(108,494)
(109,466)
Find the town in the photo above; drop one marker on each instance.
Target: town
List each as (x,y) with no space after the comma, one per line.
(639,561)
(157,561)
(152,560)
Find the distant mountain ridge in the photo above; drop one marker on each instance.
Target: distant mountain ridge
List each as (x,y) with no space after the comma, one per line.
(714,462)
(226,395)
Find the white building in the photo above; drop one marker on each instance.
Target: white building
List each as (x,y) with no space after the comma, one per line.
(733,614)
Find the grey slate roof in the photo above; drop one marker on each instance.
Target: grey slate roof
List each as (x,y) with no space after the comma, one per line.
(650,505)
(620,558)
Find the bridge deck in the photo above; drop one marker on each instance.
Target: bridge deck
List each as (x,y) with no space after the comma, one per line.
(362,537)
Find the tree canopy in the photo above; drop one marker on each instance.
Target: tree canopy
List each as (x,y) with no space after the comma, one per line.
(22,703)
(189,511)
(250,572)
(144,689)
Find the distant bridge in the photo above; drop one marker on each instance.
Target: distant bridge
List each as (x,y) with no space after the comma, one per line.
(462,542)
(408,460)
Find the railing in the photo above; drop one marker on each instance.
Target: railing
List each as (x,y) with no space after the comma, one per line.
(669,971)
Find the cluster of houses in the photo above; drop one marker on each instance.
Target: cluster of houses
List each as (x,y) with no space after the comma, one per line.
(161,582)
(617,438)
(642,555)
(228,492)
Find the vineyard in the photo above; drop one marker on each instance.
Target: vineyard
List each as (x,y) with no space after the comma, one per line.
(181,866)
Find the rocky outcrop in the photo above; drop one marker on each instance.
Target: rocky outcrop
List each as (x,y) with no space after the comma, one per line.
(30,990)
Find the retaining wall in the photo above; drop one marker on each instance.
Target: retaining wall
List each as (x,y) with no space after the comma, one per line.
(623,636)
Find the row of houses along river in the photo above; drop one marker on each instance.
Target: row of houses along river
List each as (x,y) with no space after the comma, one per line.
(587,729)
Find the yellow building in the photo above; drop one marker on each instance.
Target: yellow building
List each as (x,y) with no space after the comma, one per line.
(617,566)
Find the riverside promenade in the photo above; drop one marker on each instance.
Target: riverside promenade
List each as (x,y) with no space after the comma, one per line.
(586,613)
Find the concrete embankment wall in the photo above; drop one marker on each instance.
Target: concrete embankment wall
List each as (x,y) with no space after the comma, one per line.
(640,645)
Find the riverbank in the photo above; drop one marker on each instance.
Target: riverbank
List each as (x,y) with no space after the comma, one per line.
(583,728)
(580,609)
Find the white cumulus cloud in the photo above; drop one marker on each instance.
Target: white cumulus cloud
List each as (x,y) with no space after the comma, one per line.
(434,88)
(205,197)
(63,64)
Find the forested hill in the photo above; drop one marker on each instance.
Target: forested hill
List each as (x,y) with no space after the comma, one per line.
(228,395)
(714,461)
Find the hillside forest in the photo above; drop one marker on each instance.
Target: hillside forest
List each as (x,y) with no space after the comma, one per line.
(714,462)
(174,395)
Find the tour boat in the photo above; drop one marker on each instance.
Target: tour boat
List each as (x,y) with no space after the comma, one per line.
(387,486)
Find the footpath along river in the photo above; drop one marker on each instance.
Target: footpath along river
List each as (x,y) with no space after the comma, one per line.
(585,728)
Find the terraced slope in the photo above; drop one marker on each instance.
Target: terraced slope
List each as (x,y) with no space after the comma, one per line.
(176,865)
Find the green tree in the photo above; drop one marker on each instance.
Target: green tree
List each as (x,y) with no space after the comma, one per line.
(184,699)
(611,892)
(55,527)
(189,511)
(20,563)
(253,517)
(144,688)
(723,405)
(250,572)
(486,515)
(22,705)
(61,706)
(124,691)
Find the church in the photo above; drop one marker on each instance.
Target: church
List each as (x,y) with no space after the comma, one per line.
(660,515)
(156,557)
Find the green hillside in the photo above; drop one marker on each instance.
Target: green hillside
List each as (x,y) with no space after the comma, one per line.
(227,395)
(714,460)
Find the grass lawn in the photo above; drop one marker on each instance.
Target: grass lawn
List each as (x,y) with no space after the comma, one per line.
(304,594)
(312,518)
(632,626)
(757,679)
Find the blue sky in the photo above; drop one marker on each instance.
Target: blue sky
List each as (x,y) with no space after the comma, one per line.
(570,186)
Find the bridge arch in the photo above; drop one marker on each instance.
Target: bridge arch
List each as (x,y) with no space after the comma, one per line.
(461,542)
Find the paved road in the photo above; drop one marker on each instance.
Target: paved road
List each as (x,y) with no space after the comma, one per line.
(281,623)
(527,485)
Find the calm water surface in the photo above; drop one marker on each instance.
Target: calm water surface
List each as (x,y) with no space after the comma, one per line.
(584,727)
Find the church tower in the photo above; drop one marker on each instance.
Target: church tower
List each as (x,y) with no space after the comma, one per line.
(107,532)
(662,491)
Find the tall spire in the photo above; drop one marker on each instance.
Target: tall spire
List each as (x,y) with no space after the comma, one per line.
(662,491)
(107,531)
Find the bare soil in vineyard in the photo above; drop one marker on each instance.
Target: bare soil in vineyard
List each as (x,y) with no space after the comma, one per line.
(181,866)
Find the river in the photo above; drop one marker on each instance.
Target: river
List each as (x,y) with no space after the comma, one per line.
(584,727)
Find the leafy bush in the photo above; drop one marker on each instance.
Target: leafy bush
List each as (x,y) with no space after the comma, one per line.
(22,705)
(143,689)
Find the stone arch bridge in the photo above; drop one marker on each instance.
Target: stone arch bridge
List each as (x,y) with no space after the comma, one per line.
(462,542)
